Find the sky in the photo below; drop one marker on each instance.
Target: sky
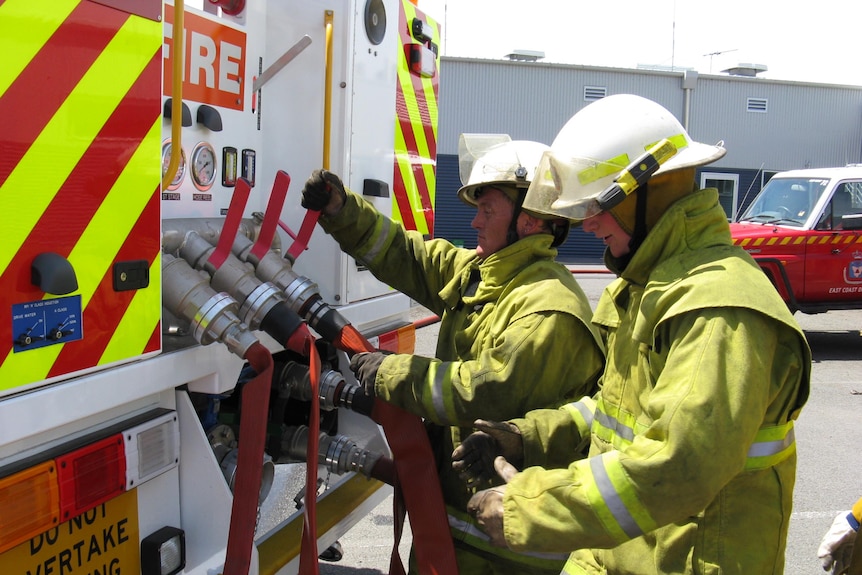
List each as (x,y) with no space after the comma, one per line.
(803,41)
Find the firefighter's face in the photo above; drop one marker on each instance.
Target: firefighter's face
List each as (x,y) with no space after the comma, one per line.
(607,229)
(493,216)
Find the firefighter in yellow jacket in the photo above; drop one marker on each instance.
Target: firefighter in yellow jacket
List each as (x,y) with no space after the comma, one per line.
(692,457)
(515,331)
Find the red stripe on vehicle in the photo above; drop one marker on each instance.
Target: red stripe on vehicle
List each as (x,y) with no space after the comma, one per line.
(82,193)
(33,98)
(107,307)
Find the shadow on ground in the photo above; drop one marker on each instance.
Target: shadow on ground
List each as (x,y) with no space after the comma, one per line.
(835,345)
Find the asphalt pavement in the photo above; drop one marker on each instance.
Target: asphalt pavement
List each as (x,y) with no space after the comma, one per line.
(828,435)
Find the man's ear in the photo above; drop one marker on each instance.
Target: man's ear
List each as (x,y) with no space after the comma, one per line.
(530,224)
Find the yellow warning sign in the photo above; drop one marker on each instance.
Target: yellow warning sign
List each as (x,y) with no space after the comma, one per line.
(101,541)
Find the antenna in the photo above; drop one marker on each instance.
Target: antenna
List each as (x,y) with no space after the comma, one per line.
(717,53)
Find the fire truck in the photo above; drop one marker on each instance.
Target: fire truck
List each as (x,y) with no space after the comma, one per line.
(803,229)
(174,335)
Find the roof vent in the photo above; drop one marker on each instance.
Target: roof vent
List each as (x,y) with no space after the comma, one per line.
(525,55)
(749,70)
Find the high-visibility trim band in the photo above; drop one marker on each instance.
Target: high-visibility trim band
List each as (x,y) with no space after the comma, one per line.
(582,412)
(611,500)
(614,165)
(603,169)
(463,529)
(381,234)
(771,446)
(620,431)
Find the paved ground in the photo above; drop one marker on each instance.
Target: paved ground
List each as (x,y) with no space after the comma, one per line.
(828,437)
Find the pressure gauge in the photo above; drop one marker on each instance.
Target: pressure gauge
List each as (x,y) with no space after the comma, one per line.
(166,162)
(203,166)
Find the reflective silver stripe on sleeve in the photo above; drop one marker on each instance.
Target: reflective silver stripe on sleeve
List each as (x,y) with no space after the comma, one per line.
(612,499)
(585,412)
(613,424)
(375,249)
(767,448)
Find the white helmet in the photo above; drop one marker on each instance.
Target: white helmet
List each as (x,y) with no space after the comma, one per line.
(599,144)
(488,159)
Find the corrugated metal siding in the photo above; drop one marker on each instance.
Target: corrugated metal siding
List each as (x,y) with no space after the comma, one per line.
(807,125)
(452,217)
(531,101)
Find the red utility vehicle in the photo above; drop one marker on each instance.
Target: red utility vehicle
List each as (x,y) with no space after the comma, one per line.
(805,231)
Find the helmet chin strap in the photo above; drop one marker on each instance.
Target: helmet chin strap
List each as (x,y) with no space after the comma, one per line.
(640,230)
(512,233)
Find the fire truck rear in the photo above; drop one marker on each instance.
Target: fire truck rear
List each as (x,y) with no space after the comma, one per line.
(173,335)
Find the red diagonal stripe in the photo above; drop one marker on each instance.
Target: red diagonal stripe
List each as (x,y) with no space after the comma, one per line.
(407,127)
(415,166)
(33,98)
(107,307)
(68,215)
(400,191)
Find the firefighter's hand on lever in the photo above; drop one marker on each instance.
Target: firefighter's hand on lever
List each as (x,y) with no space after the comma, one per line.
(365,366)
(474,459)
(323,192)
(487,505)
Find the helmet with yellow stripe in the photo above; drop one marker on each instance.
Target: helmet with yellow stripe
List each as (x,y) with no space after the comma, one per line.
(604,144)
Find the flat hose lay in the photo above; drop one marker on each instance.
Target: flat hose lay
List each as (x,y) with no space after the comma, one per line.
(252,434)
(417,489)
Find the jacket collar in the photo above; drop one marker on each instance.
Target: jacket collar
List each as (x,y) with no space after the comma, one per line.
(497,270)
(694,222)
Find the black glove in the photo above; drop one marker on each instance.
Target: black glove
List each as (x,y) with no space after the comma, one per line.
(323,192)
(474,458)
(365,365)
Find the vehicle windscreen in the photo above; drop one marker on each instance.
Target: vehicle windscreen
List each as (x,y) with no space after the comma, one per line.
(786,201)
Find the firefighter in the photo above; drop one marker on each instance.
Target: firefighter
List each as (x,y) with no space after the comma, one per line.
(692,456)
(515,331)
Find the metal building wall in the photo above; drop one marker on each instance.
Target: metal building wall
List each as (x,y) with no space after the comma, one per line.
(813,125)
(532,100)
(806,125)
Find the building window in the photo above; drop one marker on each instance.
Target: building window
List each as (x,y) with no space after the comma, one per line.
(757,105)
(728,190)
(592,93)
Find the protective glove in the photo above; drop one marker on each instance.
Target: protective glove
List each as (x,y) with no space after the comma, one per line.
(323,192)
(365,366)
(474,458)
(836,547)
(487,506)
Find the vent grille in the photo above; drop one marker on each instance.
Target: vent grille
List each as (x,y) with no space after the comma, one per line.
(757,105)
(594,93)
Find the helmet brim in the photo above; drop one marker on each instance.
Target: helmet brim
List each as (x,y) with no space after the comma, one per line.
(467,194)
(693,155)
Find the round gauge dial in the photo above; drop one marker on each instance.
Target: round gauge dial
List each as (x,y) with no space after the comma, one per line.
(166,162)
(203,166)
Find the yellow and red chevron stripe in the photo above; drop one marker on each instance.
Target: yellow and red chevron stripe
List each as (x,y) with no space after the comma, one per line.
(80,90)
(415,133)
(795,240)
